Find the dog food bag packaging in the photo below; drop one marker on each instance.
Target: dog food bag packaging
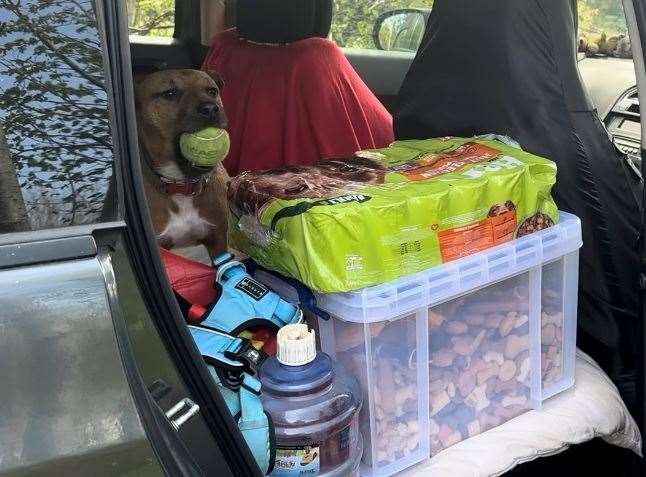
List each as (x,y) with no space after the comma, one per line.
(346,224)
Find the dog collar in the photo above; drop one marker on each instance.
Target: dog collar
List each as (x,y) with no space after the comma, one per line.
(170,186)
(190,188)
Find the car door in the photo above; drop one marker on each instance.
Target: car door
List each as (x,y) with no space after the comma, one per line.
(99,374)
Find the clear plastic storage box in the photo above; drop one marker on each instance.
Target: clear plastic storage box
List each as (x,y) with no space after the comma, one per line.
(452,352)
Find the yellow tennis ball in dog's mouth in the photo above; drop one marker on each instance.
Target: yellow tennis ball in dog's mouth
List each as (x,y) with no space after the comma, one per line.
(205,148)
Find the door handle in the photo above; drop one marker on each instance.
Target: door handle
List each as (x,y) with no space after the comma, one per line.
(181,412)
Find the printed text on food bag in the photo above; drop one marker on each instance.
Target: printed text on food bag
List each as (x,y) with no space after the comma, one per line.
(504,162)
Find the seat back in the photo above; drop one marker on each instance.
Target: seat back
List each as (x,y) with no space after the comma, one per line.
(510,67)
(283,21)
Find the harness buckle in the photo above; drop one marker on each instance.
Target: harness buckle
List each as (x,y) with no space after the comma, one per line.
(249,356)
(250,360)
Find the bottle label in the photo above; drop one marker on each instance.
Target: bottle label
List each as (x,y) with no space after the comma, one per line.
(297,461)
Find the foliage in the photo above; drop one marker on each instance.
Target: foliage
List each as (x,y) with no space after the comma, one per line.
(54,106)
(601,16)
(151,17)
(354,20)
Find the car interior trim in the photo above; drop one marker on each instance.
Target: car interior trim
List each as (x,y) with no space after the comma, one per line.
(146,262)
(43,235)
(158,429)
(43,251)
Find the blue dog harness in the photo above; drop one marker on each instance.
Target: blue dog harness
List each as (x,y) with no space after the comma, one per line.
(245,302)
(233,363)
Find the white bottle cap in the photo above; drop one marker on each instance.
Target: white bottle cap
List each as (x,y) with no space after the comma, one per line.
(296,345)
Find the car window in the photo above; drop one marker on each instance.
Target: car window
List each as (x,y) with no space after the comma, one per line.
(56,158)
(602,29)
(399,25)
(152,18)
(601,16)
(354,22)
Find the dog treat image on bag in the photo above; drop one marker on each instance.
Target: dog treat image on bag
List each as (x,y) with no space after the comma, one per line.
(534,224)
(346,224)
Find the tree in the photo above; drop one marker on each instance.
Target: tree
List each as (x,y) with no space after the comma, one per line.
(601,16)
(13,214)
(354,20)
(151,17)
(54,104)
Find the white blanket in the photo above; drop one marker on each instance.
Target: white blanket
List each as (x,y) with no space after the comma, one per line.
(591,409)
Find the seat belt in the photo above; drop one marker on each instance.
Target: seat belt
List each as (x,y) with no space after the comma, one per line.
(233,363)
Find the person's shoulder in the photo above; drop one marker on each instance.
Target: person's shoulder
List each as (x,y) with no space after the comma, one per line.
(322,49)
(225,37)
(322,44)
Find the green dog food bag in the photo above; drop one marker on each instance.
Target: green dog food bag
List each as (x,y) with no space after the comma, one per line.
(347,224)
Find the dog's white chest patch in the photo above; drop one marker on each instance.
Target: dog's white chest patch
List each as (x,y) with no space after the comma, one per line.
(186,226)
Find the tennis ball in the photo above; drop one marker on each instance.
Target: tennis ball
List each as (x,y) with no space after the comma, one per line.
(205,148)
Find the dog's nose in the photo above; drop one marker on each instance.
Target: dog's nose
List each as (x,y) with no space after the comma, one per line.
(208,110)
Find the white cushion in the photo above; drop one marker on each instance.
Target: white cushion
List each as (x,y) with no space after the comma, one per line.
(593,408)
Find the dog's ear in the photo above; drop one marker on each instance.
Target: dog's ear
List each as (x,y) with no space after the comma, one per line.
(216,77)
(137,78)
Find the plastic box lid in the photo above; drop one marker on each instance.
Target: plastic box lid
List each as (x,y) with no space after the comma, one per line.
(450,280)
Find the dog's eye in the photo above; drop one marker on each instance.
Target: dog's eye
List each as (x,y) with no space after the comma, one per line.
(170,93)
(212,91)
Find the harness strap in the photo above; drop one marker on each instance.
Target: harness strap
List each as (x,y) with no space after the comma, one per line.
(242,396)
(245,302)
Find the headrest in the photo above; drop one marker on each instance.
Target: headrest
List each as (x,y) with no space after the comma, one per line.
(283,21)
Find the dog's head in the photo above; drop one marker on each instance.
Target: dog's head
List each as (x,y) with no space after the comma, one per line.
(170,103)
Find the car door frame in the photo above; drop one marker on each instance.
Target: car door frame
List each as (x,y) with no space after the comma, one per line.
(635,11)
(144,255)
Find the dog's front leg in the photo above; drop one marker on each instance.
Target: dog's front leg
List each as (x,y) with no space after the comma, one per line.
(215,244)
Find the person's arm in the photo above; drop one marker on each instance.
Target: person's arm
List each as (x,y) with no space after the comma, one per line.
(216,13)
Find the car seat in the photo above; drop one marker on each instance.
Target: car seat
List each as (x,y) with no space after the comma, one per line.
(510,67)
(290,95)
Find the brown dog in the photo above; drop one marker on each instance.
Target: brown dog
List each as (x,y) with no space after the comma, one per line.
(187,203)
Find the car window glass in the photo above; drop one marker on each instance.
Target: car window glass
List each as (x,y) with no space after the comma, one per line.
(152,18)
(354,22)
(56,157)
(398,25)
(602,29)
(601,16)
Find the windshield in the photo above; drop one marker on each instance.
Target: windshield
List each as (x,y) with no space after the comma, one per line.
(602,29)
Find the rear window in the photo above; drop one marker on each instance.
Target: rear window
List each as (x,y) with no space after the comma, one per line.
(353,24)
(56,158)
(152,18)
(398,25)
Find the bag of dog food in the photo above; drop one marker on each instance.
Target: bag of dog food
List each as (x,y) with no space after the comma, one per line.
(346,224)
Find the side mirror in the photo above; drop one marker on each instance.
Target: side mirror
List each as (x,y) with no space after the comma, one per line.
(400,30)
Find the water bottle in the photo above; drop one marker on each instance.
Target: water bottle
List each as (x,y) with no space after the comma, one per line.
(314,405)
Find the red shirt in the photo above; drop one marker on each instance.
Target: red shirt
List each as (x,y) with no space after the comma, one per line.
(294,104)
